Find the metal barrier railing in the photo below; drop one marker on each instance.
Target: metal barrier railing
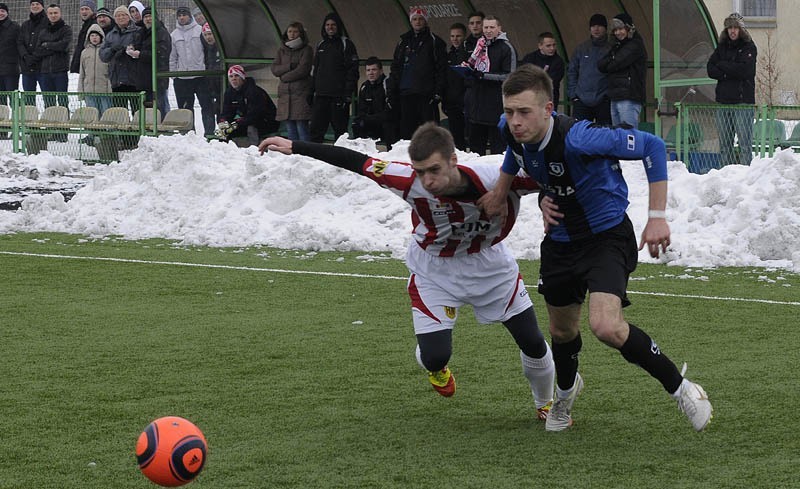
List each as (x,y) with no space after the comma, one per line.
(708,136)
(92,127)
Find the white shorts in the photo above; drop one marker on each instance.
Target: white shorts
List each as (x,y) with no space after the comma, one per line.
(489,281)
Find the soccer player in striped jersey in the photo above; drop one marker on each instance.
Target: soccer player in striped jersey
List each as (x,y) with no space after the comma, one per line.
(590,243)
(457,255)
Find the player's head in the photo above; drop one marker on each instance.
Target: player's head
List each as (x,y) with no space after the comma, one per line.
(433,157)
(527,103)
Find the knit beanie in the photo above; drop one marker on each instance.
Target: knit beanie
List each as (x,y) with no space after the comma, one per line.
(417,11)
(147,11)
(598,19)
(38,1)
(123,9)
(183,11)
(206,28)
(4,7)
(103,11)
(89,3)
(621,21)
(237,70)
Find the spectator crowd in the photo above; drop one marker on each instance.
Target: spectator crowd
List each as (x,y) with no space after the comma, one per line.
(318,88)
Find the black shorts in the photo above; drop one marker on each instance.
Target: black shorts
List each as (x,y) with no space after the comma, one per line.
(601,263)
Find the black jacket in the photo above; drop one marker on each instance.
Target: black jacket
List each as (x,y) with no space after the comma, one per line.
(143,66)
(453,98)
(553,65)
(249,106)
(419,66)
(733,65)
(53,49)
(372,102)
(75,65)
(335,63)
(486,94)
(9,55)
(28,41)
(625,66)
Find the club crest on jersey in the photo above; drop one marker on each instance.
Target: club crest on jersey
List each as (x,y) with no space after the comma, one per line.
(450,312)
(557,168)
(631,142)
(379,167)
(442,209)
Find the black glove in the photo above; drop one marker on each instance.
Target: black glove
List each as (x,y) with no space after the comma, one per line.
(435,100)
(342,102)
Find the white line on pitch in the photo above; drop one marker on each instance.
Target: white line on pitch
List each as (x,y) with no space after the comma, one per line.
(352,275)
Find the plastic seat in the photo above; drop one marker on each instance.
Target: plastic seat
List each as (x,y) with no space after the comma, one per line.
(52,116)
(773,132)
(5,116)
(148,118)
(31,114)
(178,120)
(81,118)
(112,118)
(794,139)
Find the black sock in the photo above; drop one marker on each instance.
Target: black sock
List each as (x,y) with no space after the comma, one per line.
(641,350)
(565,356)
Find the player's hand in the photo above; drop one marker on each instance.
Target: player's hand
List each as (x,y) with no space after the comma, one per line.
(276,143)
(655,236)
(550,214)
(494,205)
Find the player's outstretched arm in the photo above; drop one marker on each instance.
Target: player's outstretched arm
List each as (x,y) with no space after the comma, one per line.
(656,233)
(276,143)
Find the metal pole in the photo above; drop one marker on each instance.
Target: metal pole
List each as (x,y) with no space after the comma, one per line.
(154,65)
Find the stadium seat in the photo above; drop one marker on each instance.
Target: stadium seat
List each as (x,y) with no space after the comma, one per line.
(794,139)
(772,131)
(81,118)
(177,120)
(148,118)
(53,116)
(112,118)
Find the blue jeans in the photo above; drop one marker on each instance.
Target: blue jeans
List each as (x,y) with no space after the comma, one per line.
(54,82)
(29,82)
(625,112)
(736,120)
(297,130)
(99,102)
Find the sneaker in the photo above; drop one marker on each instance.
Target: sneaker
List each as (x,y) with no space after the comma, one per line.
(443,381)
(693,402)
(542,412)
(559,418)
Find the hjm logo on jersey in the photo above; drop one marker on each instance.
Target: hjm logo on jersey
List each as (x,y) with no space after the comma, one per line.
(450,312)
(556,168)
(379,167)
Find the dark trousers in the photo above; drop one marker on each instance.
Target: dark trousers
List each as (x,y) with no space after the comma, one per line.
(328,110)
(8,83)
(457,121)
(416,110)
(600,113)
(29,82)
(54,82)
(129,101)
(383,131)
(480,134)
(185,91)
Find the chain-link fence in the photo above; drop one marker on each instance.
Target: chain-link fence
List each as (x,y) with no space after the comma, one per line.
(93,127)
(707,136)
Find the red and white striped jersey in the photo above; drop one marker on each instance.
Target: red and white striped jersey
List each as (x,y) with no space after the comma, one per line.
(445,226)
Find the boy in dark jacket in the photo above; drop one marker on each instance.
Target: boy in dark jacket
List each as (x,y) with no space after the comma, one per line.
(419,74)
(625,67)
(9,56)
(453,103)
(335,78)
(546,58)
(733,65)
(248,114)
(374,115)
(27,42)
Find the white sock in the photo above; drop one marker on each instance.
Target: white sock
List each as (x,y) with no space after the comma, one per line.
(541,373)
(563,394)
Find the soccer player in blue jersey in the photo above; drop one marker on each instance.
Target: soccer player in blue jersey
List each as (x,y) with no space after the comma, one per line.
(590,244)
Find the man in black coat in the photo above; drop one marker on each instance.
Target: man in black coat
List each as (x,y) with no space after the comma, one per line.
(53,52)
(27,43)
(733,65)
(248,114)
(546,58)
(625,66)
(374,116)
(453,103)
(9,56)
(143,50)
(419,74)
(87,14)
(335,79)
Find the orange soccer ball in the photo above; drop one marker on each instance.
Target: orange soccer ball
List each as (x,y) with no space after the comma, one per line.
(171,451)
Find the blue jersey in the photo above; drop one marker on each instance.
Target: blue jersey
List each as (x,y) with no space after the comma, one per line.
(577,164)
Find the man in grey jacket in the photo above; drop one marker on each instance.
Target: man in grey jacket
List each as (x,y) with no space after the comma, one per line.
(188,55)
(586,86)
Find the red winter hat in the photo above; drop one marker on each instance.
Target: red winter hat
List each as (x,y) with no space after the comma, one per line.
(237,70)
(206,27)
(417,11)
